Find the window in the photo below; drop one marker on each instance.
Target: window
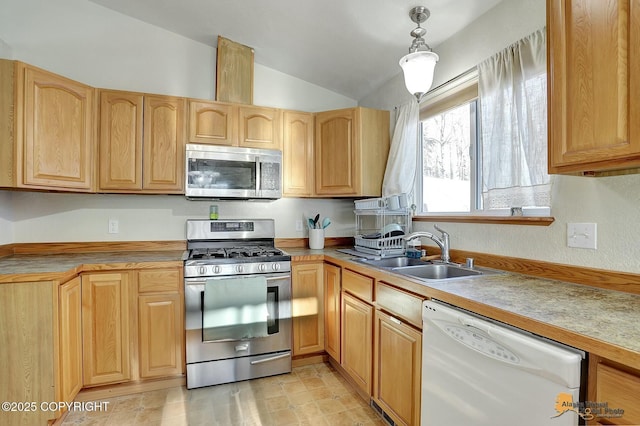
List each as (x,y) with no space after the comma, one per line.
(448,170)
(483,143)
(448,124)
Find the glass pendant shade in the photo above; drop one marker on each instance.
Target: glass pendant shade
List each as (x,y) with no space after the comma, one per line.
(418,70)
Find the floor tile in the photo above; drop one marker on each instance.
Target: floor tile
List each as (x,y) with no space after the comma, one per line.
(312,395)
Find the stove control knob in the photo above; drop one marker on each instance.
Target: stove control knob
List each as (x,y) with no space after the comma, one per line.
(276,266)
(202,270)
(239,268)
(216,269)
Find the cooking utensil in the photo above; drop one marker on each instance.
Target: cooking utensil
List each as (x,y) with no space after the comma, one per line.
(310,223)
(326,222)
(315,221)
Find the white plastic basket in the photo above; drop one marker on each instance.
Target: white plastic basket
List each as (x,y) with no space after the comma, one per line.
(380,246)
(371,204)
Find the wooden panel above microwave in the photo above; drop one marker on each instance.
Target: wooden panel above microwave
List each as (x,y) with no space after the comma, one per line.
(234,72)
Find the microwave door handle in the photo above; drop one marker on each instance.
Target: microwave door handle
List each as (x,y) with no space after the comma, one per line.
(258,173)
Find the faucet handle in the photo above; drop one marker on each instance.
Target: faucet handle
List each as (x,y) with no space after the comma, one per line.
(442,231)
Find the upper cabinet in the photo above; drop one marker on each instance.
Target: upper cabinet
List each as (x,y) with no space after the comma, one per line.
(163,146)
(247,126)
(594,85)
(142,141)
(212,123)
(48,126)
(351,148)
(297,154)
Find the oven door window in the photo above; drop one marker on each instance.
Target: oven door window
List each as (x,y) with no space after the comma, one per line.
(273,323)
(225,328)
(221,174)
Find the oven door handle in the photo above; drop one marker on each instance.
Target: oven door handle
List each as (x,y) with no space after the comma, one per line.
(273,358)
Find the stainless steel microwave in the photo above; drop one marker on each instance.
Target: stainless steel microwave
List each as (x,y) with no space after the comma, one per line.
(222,172)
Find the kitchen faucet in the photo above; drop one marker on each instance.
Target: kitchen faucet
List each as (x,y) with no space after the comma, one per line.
(442,242)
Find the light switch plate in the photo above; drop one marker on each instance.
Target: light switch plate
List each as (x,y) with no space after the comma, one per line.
(582,235)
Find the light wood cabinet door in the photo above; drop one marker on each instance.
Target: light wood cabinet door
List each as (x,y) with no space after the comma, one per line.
(70,331)
(357,341)
(213,123)
(332,310)
(594,85)
(616,385)
(161,330)
(307,308)
(397,369)
(120,142)
(259,127)
(55,131)
(164,144)
(336,153)
(297,154)
(105,328)
(351,149)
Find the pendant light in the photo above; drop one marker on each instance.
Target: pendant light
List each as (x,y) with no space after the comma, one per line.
(419,64)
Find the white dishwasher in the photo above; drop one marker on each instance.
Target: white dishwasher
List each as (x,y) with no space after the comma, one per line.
(476,371)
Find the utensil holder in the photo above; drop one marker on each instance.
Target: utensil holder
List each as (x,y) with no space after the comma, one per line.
(316,239)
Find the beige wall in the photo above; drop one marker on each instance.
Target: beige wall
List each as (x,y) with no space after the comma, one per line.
(613,202)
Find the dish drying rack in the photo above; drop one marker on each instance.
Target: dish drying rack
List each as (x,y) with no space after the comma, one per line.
(380,230)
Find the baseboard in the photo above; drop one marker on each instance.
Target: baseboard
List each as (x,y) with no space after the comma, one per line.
(111,391)
(302,360)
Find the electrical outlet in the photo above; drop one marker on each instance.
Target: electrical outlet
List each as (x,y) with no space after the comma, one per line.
(582,235)
(114,226)
(299,225)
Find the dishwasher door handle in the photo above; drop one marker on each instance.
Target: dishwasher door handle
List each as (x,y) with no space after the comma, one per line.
(480,325)
(273,358)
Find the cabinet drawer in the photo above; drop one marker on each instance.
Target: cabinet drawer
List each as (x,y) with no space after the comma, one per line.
(620,390)
(357,284)
(155,280)
(399,303)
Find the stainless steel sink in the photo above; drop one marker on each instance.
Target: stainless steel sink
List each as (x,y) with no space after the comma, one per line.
(442,271)
(393,262)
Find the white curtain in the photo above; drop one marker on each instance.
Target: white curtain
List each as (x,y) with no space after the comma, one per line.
(400,174)
(513,105)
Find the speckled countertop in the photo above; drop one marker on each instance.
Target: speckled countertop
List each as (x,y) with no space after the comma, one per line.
(597,320)
(29,267)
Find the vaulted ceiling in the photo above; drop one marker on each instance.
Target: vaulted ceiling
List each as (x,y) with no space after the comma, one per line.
(348,46)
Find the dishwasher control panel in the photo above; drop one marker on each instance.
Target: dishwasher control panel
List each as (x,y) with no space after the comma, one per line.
(479,341)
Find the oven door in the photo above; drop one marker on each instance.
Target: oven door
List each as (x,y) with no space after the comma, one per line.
(231,172)
(198,346)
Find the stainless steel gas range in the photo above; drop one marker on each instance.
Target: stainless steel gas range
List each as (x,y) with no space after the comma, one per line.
(238,302)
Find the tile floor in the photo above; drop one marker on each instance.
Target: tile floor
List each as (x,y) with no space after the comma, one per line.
(311,395)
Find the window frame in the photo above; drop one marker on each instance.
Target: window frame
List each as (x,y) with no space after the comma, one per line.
(455,92)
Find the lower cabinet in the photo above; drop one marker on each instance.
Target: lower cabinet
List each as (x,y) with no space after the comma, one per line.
(70,335)
(307,307)
(332,310)
(106,327)
(397,353)
(133,325)
(618,387)
(160,323)
(357,340)
(40,344)
(397,369)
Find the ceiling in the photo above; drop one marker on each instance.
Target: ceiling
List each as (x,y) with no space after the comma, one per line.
(350,47)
